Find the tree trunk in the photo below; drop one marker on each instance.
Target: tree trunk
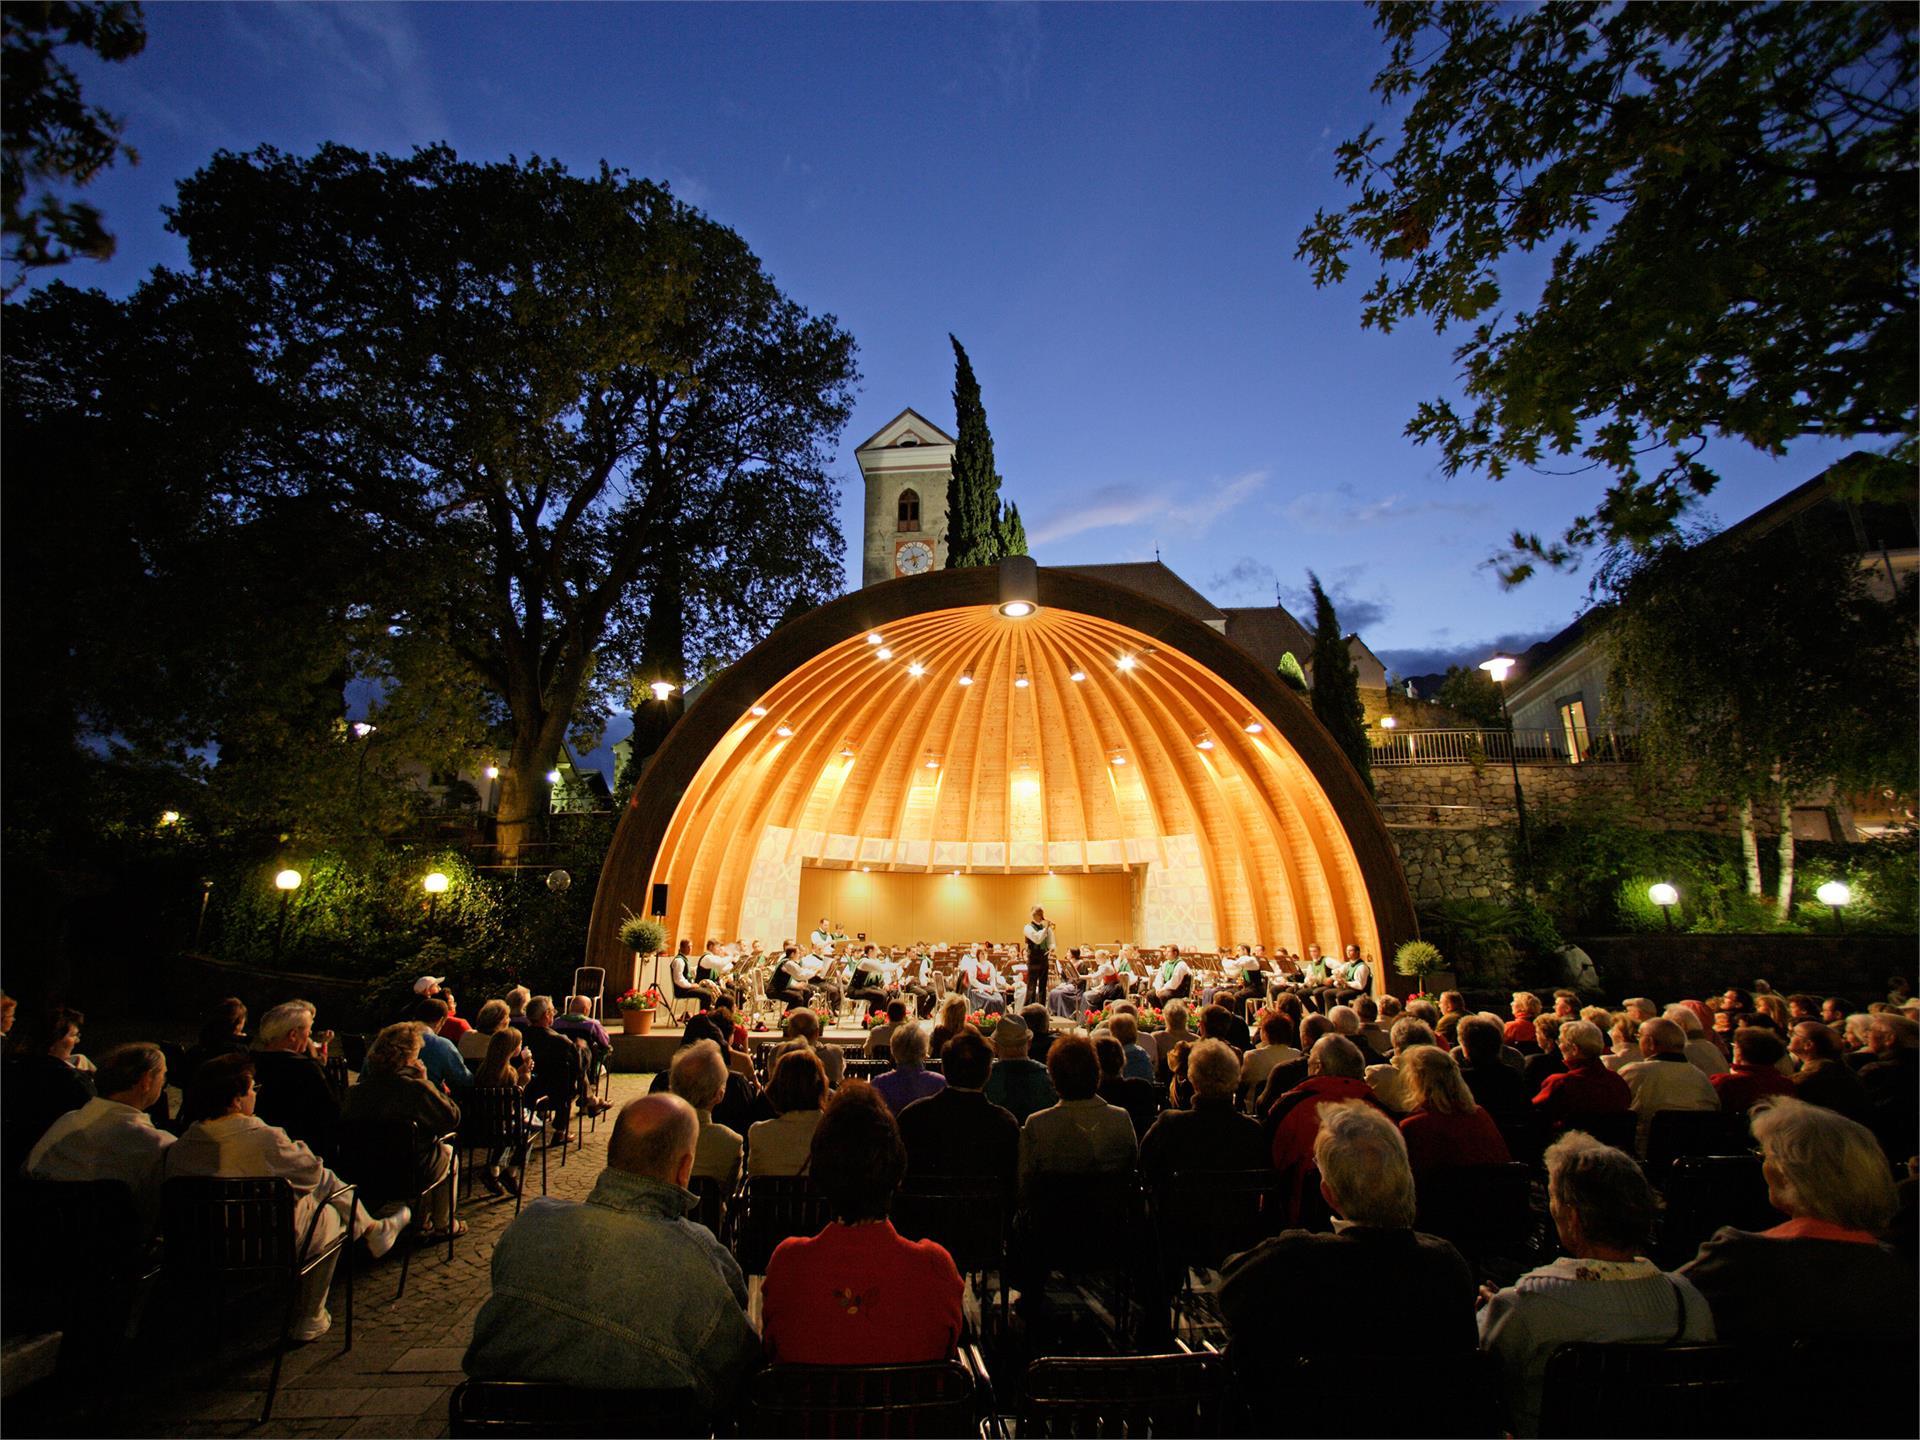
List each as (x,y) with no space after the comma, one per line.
(523,791)
(1783,905)
(1750,848)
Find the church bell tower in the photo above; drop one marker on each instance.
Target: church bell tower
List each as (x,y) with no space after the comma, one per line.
(906,466)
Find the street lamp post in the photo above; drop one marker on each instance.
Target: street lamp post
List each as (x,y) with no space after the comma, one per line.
(1498,667)
(286,882)
(435,885)
(1666,897)
(1834,894)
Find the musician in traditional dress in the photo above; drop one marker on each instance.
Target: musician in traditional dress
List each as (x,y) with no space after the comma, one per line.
(1104,985)
(917,979)
(1039,937)
(715,969)
(822,972)
(980,979)
(869,979)
(1172,979)
(787,985)
(681,977)
(1248,978)
(1064,999)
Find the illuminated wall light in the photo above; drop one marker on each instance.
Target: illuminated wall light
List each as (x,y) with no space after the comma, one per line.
(1020,681)
(874,638)
(1252,726)
(1076,672)
(883,653)
(492,772)
(1387,722)
(1126,663)
(916,669)
(785,732)
(553,777)
(966,677)
(758,710)
(1119,757)
(1203,741)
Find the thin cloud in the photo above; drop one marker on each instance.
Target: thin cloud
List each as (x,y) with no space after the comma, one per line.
(1123,504)
(1343,508)
(1358,613)
(1434,658)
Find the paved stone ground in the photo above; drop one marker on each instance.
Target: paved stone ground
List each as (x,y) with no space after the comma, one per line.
(395,1381)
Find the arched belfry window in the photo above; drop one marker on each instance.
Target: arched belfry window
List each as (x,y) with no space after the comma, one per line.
(909,510)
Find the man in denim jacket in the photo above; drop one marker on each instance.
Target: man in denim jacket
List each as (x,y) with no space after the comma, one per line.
(622,1291)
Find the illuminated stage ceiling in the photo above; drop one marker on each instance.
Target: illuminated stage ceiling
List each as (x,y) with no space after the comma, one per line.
(877,735)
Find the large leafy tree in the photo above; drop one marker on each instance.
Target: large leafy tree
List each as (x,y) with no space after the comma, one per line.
(1765,671)
(1336,684)
(979,530)
(1728,196)
(534,391)
(1470,692)
(53,137)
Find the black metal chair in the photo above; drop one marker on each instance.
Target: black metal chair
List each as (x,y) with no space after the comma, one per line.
(540,1408)
(1705,1192)
(337,1078)
(493,1119)
(771,1208)
(1314,1394)
(861,1400)
(78,1258)
(1485,1210)
(1203,1216)
(1186,1394)
(1104,1214)
(1650,1390)
(221,1230)
(966,1215)
(867,1069)
(1620,1130)
(1674,1133)
(382,1158)
(712,1209)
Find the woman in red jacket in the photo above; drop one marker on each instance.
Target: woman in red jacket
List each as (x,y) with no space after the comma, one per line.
(1446,1126)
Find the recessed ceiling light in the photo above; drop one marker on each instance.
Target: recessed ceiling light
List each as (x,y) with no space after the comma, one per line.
(783,731)
(966,677)
(916,669)
(1119,757)
(1020,678)
(1016,609)
(1203,741)
(1252,726)
(758,710)
(1127,662)
(873,638)
(1076,672)
(884,653)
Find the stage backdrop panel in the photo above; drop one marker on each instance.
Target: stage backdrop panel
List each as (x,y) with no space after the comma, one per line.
(896,909)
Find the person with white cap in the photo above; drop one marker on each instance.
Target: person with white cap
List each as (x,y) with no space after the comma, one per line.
(425,988)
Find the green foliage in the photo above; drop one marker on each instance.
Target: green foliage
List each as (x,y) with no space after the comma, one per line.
(1470,691)
(1012,532)
(52,134)
(1726,192)
(1418,959)
(1291,674)
(1336,685)
(642,936)
(979,530)
(1479,935)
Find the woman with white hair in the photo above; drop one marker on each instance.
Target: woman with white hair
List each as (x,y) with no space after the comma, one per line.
(1708,1056)
(1824,1270)
(1445,1126)
(1602,1291)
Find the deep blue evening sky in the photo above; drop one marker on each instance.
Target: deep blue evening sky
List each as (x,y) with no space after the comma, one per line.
(1102,202)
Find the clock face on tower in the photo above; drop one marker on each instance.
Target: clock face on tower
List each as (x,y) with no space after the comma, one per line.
(915,557)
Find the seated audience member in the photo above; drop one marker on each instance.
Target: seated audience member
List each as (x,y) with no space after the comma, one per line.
(1287,1076)
(1217,1022)
(1566,1004)
(1639,1009)
(224,1139)
(1823,1271)
(1159,1045)
(41,1081)
(486,1024)
(505,1063)
(1017,1083)
(111,1137)
(578,1024)
(1139,1099)
(731,1036)
(8,1006)
(293,1089)
(698,1075)
(953,1020)
(1892,1081)
(1519,1031)
(1548,1062)
(877,1038)
(958,1131)
(803,1027)
(1495,1084)
(1665,1079)
(1446,1126)
(1602,1291)
(857,1293)
(518,998)
(1346,1023)
(1373,1250)
(1126,1029)
(1376,1034)
(1623,1038)
(453,1027)
(1081,1134)
(1274,1050)
(1853,1039)
(1335,1072)
(224,1033)
(1704,1053)
(440,1056)
(1179,1088)
(743,1103)
(1039,1032)
(1389,1081)
(909,1080)
(1586,1087)
(559,1072)
(1213,1135)
(1756,1070)
(799,1085)
(623,1291)
(394,1086)
(1824,1078)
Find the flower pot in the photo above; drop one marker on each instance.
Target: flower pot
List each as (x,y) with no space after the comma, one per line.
(638,1021)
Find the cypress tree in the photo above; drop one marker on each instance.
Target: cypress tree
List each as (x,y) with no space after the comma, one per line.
(1012,532)
(1336,685)
(973,493)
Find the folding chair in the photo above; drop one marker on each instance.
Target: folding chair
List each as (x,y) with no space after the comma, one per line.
(591,981)
(1705,1192)
(967,1216)
(382,1158)
(1201,1217)
(1485,1210)
(773,1207)
(542,1408)
(494,1118)
(221,1229)
(1674,1133)
(809,1400)
(1187,1393)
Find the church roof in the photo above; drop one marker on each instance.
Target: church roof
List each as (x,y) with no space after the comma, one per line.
(908,422)
(1156,582)
(1267,632)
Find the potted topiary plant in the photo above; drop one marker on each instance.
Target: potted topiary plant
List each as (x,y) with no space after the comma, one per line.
(645,938)
(1420,961)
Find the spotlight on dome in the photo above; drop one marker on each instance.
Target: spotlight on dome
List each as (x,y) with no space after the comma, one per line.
(966,677)
(874,638)
(1203,741)
(785,732)
(1126,663)
(1252,725)
(1076,672)
(1020,681)
(883,653)
(916,669)
(1019,587)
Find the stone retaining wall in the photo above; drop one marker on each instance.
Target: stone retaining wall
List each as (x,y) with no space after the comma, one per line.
(1472,797)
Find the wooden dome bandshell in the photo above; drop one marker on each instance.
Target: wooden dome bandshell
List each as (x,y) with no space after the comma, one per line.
(1291,846)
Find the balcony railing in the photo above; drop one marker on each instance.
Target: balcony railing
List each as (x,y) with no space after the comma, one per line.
(1480,747)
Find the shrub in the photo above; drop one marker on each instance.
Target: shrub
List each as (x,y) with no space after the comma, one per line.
(642,936)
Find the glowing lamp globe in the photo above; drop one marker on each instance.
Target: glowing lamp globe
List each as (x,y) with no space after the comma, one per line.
(1663,894)
(435,883)
(287,880)
(1835,893)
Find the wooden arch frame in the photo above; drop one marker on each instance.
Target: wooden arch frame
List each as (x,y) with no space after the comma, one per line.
(1377,890)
